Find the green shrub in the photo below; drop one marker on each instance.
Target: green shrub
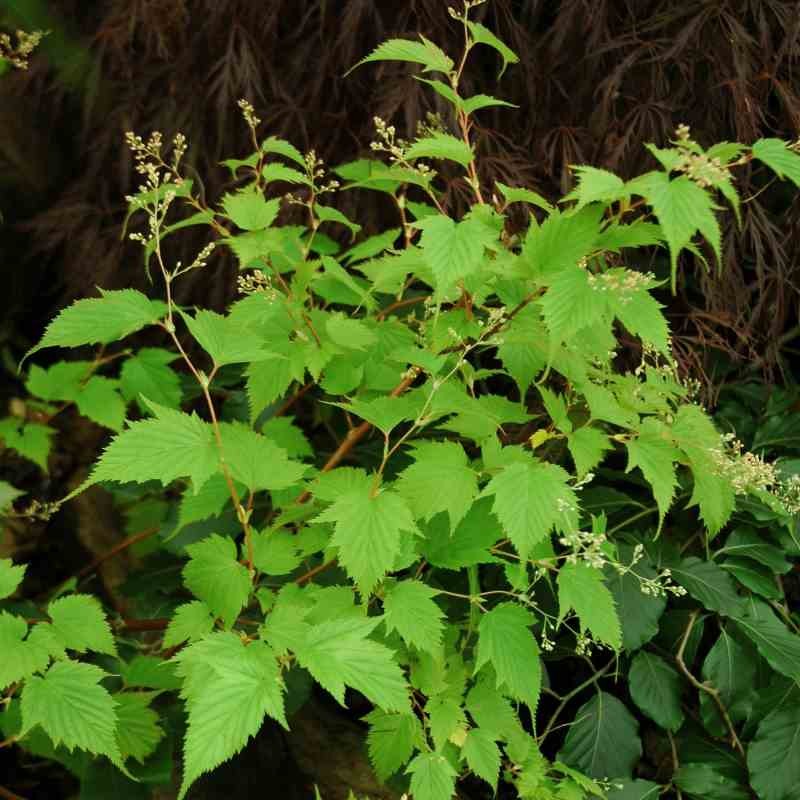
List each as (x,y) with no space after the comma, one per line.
(495,474)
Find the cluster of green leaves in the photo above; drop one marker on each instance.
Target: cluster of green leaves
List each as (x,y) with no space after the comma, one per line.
(515,501)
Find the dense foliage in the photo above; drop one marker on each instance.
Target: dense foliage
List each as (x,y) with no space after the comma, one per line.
(498,515)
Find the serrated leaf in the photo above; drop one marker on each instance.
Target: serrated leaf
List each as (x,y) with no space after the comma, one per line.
(596,185)
(469,544)
(772,639)
(709,584)
(249,210)
(149,672)
(385,413)
(482,755)
(275,171)
(215,576)
(256,461)
(138,731)
(72,708)
(208,501)
(519,194)
(708,782)
(100,401)
(276,553)
(656,688)
(581,587)
(604,739)
(560,242)
(30,439)
(775,153)
(746,542)
(423,52)
(773,757)
(572,303)
(288,436)
(273,144)
(640,313)
(453,250)
(505,641)
(478,101)
(682,209)
(339,654)
(11,576)
(80,624)
(351,334)
(440,479)
(330,214)
(229,688)
(114,315)
(588,447)
(432,777)
(655,455)
(530,500)
(368,532)
(638,234)
(409,609)
(482,35)
(171,445)
(190,622)
(445,718)
(224,339)
(22,657)
(391,740)
(442,145)
(147,373)
(756,577)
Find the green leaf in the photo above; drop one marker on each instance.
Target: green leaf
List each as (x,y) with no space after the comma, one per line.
(491,711)
(224,339)
(638,612)
(518,194)
(11,576)
(560,242)
(368,532)
(453,250)
(478,101)
(138,731)
(638,234)
(730,668)
(445,718)
(588,447)
(709,584)
(276,553)
(596,185)
(280,172)
(149,672)
(190,622)
(639,312)
(572,303)
(281,147)
(385,413)
(215,576)
(746,542)
(30,439)
(330,214)
(172,445)
(505,641)
(656,688)
(423,52)
(209,500)
(483,755)
(21,657)
(256,461)
(530,500)
(655,455)
(409,609)
(80,624)
(772,639)
(391,741)
(351,334)
(8,494)
(482,35)
(101,402)
(604,739)
(288,436)
(339,654)
(432,777)
(706,782)
(581,587)
(773,757)
(72,708)
(229,688)
(439,480)
(249,210)
(753,576)
(682,209)
(147,373)
(442,145)
(775,153)
(104,319)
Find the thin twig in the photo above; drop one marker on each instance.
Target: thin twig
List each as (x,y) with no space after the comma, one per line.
(7,794)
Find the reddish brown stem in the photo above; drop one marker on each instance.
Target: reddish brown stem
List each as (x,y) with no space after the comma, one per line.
(116,550)
(293,399)
(7,794)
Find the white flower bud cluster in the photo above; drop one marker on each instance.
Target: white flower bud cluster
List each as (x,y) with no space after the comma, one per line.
(17,54)
(623,284)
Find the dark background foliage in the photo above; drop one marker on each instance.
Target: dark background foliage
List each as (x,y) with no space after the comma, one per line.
(597,80)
